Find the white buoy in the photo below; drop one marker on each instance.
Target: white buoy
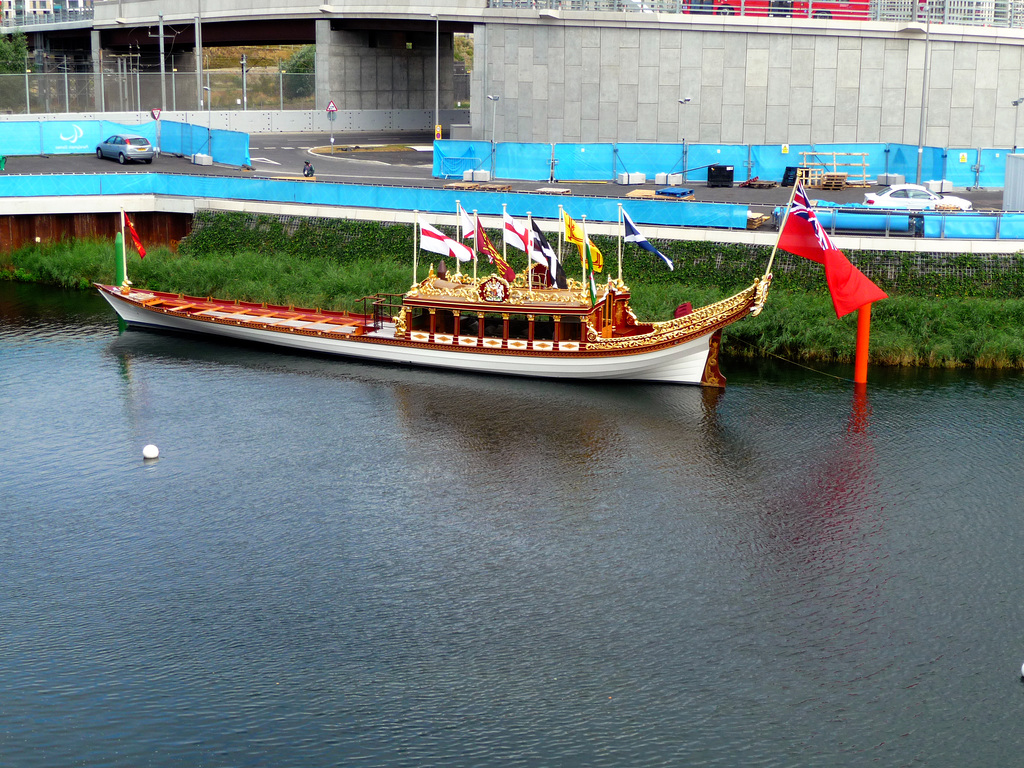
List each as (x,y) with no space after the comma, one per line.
(150,452)
(1022,671)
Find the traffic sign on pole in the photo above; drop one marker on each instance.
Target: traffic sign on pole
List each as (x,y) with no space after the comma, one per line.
(331,107)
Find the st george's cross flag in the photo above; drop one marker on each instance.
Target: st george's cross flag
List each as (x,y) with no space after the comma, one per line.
(438,242)
(804,236)
(633,236)
(515,235)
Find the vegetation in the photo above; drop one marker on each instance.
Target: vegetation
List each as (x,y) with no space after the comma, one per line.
(963,311)
(463,49)
(13,53)
(302,62)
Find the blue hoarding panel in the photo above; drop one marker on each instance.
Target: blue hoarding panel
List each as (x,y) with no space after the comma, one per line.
(649,159)
(452,157)
(584,162)
(960,225)
(523,162)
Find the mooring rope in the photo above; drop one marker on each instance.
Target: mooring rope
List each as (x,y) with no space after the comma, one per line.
(794,362)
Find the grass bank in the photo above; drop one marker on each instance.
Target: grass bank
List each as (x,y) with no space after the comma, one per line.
(944,312)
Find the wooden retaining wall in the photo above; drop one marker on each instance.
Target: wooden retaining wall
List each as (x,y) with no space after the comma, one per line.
(154,228)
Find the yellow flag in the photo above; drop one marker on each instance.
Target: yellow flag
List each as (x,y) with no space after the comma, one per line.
(574,234)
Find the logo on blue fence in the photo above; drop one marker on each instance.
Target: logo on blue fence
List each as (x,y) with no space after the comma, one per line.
(75,136)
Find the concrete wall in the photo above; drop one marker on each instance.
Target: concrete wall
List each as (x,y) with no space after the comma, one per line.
(386,69)
(750,81)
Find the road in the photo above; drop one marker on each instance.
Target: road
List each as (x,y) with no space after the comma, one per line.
(404,159)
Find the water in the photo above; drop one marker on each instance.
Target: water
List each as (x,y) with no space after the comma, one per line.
(340,563)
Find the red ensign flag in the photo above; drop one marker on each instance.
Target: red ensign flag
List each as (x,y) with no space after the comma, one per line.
(135,236)
(804,236)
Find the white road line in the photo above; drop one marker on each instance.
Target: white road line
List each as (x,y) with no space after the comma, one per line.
(264,160)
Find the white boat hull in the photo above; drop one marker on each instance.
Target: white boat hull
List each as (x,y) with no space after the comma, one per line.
(682,363)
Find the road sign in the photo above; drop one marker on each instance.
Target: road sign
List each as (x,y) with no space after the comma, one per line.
(155,112)
(437,131)
(331,107)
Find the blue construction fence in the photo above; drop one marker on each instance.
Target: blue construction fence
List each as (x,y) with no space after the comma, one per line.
(970,225)
(964,167)
(69,137)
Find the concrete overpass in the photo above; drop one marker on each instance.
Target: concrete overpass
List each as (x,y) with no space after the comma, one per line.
(589,76)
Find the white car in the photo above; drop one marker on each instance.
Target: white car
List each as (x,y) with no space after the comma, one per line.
(911,197)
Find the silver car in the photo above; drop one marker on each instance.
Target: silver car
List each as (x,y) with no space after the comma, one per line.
(123,147)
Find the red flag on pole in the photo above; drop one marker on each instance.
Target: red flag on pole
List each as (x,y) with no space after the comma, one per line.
(804,236)
(135,236)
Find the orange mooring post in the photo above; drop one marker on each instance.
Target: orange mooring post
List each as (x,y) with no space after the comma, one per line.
(860,364)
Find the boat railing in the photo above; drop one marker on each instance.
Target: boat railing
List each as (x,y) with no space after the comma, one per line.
(382,308)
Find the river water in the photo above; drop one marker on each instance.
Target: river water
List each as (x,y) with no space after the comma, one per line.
(339,563)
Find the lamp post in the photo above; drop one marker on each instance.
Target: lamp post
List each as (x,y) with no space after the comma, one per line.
(682,102)
(437,70)
(924,88)
(209,117)
(1016,114)
(494,111)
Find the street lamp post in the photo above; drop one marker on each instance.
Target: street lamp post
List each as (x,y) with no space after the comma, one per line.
(924,88)
(494,111)
(437,70)
(209,117)
(682,102)
(1016,115)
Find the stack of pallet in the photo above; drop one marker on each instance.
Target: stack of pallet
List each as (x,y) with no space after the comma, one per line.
(821,168)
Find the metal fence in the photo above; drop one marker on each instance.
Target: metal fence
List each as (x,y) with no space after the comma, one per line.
(15,20)
(125,90)
(986,13)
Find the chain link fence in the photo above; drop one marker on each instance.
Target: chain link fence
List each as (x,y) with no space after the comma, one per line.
(125,90)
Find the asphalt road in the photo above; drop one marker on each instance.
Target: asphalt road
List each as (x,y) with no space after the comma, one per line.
(404,159)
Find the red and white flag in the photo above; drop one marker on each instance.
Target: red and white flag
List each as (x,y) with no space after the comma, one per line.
(134,235)
(438,242)
(804,236)
(516,236)
(468,230)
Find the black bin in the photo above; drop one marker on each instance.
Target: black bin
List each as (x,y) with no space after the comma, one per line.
(789,177)
(720,175)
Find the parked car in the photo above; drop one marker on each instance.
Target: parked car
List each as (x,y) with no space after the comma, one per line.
(123,147)
(911,197)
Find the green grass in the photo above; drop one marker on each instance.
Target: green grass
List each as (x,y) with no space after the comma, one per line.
(338,270)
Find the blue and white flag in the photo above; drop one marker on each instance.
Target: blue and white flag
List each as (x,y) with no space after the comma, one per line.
(633,236)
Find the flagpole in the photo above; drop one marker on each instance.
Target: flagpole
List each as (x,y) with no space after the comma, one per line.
(476,237)
(860,365)
(561,229)
(620,242)
(458,230)
(529,254)
(504,250)
(415,244)
(782,227)
(124,254)
(588,263)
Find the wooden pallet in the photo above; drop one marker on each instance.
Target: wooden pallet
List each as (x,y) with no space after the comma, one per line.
(755,220)
(854,163)
(833,181)
(462,185)
(495,187)
(553,191)
(761,184)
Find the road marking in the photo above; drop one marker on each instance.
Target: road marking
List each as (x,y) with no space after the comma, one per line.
(264,160)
